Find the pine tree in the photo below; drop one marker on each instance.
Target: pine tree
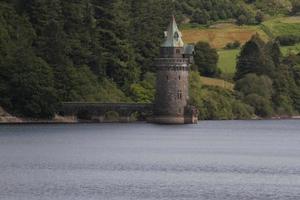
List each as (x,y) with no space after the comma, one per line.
(254,58)
(78,27)
(112,36)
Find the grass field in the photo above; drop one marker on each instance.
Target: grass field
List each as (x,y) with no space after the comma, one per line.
(227,60)
(282,26)
(221,34)
(217,82)
(290,49)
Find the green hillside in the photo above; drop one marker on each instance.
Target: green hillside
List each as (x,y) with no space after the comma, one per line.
(53,51)
(221,34)
(282,26)
(227,60)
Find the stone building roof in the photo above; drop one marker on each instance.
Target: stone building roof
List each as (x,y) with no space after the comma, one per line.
(173,36)
(189,49)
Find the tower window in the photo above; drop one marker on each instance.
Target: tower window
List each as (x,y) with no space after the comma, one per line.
(179,77)
(177,51)
(167,77)
(179,94)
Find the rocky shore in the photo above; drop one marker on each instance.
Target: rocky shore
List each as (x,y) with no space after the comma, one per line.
(6,118)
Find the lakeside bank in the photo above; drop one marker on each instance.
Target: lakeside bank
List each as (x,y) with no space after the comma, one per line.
(6,118)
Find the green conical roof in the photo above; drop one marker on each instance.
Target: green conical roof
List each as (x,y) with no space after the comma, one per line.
(173,36)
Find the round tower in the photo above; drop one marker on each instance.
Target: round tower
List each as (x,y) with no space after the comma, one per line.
(172,85)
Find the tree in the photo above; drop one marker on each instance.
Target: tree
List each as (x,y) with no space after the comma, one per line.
(254,58)
(296,7)
(257,91)
(112,34)
(262,106)
(29,86)
(149,20)
(200,17)
(253,84)
(144,92)
(242,19)
(260,17)
(206,59)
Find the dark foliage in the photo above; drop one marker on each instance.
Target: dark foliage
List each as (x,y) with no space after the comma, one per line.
(267,81)
(206,59)
(54,50)
(288,40)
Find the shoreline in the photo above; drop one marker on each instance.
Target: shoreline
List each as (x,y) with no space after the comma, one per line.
(67,121)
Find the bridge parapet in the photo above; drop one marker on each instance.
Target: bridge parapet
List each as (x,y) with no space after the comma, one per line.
(90,111)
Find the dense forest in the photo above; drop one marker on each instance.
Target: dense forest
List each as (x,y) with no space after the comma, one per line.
(52,51)
(79,50)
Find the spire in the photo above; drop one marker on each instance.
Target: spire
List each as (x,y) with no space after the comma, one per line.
(173,36)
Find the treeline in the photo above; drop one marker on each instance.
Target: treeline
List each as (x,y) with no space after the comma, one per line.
(268,81)
(53,51)
(78,50)
(208,11)
(242,11)
(288,40)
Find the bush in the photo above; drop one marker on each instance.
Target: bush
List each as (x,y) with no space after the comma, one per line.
(253,84)
(296,7)
(262,106)
(214,103)
(242,111)
(233,45)
(108,92)
(144,92)
(242,19)
(288,40)
(260,17)
(112,116)
(286,105)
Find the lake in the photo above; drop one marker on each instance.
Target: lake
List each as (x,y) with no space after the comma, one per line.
(214,160)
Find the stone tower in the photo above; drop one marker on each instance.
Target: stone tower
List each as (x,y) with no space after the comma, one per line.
(172,87)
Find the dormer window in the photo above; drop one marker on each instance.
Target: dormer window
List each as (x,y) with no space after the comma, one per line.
(176,35)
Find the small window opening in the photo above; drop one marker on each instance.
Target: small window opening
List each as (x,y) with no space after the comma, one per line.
(179,94)
(177,51)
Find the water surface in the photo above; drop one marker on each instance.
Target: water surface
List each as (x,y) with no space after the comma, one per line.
(225,160)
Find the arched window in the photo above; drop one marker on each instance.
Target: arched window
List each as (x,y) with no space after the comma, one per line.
(179,77)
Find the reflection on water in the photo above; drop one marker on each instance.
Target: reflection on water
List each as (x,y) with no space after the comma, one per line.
(227,160)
